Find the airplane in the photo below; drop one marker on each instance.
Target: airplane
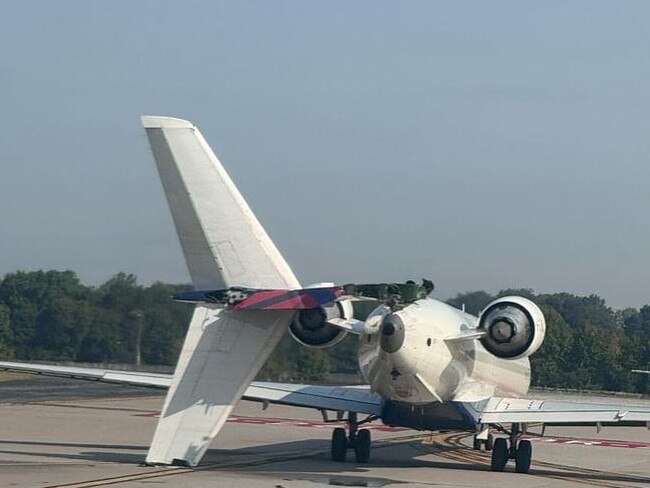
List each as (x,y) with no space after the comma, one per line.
(428,366)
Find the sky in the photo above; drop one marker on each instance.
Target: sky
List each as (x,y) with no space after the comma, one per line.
(484,145)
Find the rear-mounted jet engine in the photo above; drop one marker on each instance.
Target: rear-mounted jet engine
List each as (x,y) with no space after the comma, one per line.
(514,326)
(310,326)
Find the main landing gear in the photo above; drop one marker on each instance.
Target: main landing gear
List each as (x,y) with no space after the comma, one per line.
(519,450)
(355,438)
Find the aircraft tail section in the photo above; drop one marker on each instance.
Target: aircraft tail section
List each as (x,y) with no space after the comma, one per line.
(224,246)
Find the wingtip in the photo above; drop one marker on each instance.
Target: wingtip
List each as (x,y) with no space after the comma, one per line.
(160,122)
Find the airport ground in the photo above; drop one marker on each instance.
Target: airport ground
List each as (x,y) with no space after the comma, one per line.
(61,433)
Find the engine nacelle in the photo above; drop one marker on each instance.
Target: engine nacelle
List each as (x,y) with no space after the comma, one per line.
(514,326)
(310,328)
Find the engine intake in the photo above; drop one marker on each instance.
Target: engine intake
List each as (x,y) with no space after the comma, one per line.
(514,326)
(310,326)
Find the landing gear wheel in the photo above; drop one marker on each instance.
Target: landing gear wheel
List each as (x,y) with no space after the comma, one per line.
(489,443)
(362,446)
(499,454)
(523,456)
(339,445)
(477,444)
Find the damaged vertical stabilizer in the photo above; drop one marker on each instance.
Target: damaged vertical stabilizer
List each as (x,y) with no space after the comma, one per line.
(224,245)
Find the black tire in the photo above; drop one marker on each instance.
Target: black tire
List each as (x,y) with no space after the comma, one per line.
(489,444)
(499,454)
(523,456)
(339,445)
(477,444)
(362,446)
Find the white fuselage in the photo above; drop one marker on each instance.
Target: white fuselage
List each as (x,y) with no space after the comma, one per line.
(421,367)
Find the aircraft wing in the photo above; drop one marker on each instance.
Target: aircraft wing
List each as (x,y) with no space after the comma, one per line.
(321,397)
(357,399)
(131,378)
(500,410)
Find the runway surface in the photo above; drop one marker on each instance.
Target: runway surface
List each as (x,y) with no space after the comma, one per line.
(97,440)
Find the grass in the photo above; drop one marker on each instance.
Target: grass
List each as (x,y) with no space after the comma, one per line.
(9,376)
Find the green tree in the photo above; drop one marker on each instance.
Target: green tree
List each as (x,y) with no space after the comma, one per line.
(550,365)
(165,323)
(52,315)
(6,349)
(473,301)
(41,304)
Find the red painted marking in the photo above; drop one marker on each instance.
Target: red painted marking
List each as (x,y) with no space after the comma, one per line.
(148,414)
(314,424)
(288,299)
(591,442)
(294,303)
(258,297)
(237,419)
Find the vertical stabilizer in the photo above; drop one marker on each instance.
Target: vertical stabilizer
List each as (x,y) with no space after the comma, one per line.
(224,245)
(222,240)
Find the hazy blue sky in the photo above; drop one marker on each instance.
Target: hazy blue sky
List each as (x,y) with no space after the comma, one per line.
(483,144)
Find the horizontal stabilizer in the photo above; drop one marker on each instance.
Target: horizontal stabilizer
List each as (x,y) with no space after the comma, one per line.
(350,325)
(238,298)
(408,292)
(248,298)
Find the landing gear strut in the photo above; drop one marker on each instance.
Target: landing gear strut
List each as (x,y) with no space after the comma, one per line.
(488,443)
(357,439)
(519,450)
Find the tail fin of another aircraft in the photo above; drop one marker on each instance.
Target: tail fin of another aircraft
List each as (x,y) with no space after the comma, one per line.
(224,246)
(222,240)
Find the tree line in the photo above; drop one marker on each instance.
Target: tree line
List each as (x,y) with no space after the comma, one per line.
(51,315)
(588,345)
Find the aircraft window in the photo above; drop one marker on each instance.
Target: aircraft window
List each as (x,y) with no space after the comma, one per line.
(429,342)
